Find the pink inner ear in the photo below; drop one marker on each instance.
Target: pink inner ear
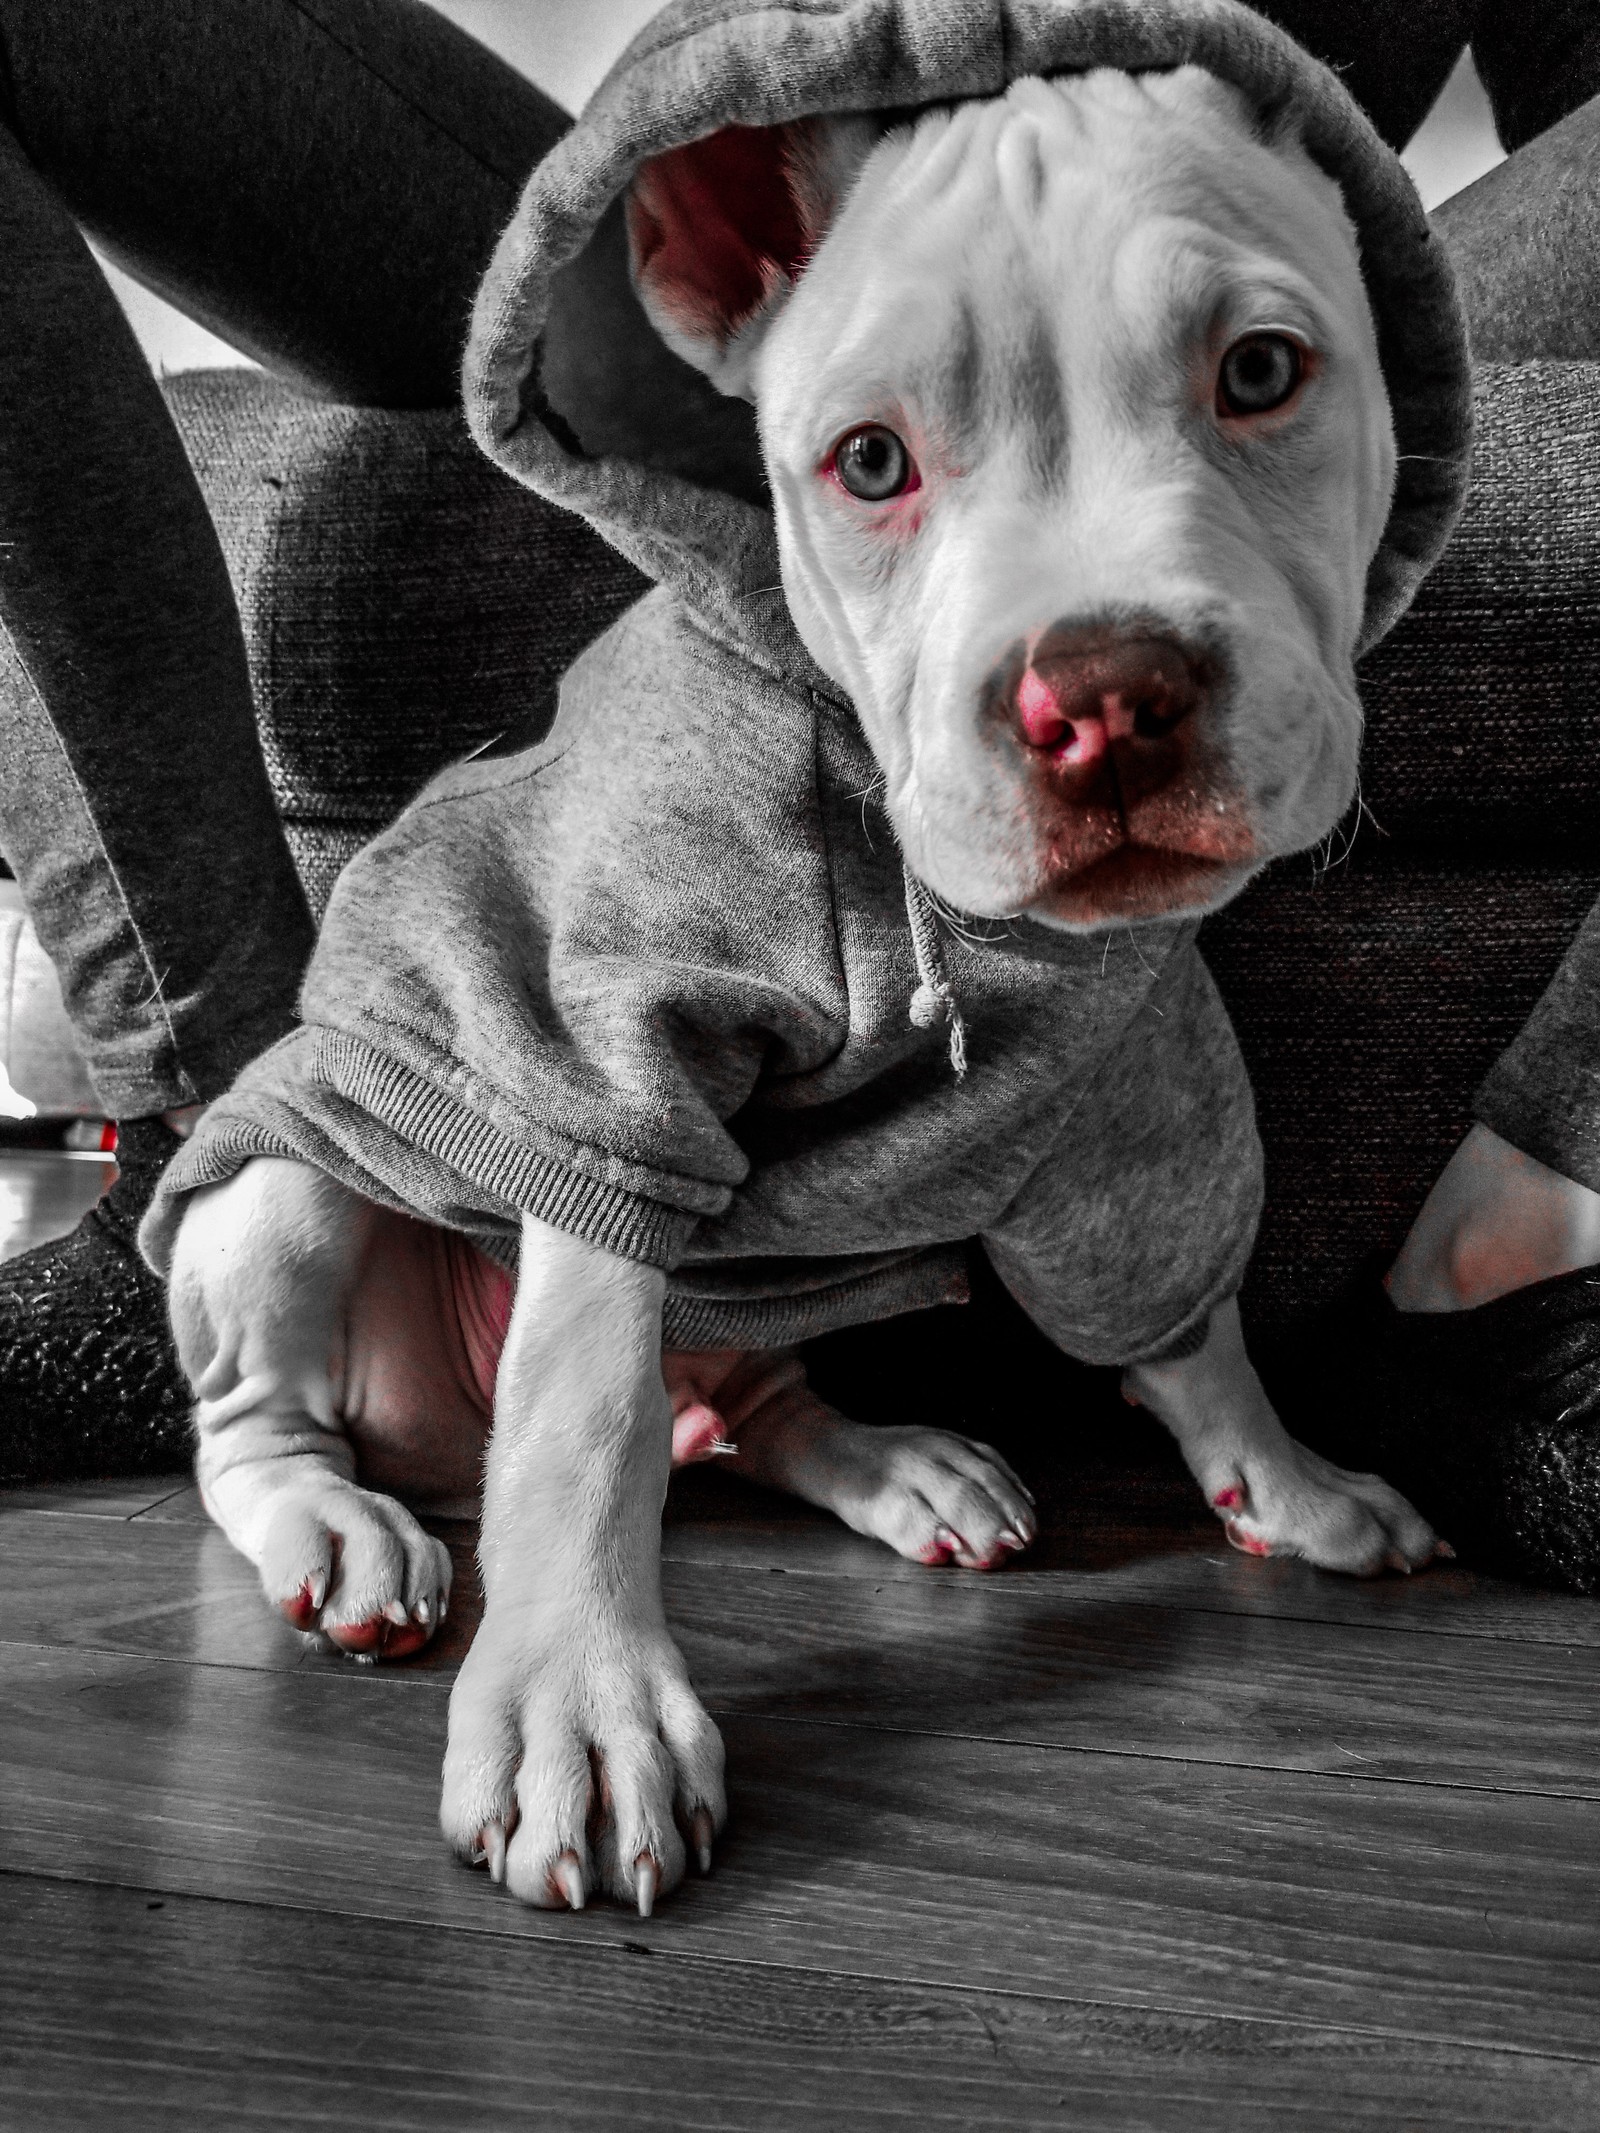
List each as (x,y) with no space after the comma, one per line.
(712,226)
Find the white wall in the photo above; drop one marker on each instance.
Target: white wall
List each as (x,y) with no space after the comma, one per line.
(566,45)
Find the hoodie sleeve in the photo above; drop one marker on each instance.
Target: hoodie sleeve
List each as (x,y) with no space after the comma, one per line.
(564,971)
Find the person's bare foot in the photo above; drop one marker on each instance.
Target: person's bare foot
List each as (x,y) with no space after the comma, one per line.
(1496,1220)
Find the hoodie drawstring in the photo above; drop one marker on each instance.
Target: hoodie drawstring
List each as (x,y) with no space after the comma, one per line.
(934,1000)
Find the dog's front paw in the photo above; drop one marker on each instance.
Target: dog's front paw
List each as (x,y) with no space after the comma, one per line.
(355,1565)
(1297,1503)
(579,1762)
(934,1497)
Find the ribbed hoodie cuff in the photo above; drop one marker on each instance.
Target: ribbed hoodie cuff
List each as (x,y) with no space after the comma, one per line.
(618,1219)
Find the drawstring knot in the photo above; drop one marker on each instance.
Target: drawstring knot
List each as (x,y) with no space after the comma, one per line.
(934,1000)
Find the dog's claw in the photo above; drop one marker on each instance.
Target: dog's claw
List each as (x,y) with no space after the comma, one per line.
(494,1842)
(701,1831)
(1240,1537)
(646,1880)
(1443,1548)
(567,1878)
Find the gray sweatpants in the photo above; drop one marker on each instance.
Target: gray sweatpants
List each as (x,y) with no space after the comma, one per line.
(322,181)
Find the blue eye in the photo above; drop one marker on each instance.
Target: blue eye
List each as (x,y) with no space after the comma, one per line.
(1259,373)
(873,464)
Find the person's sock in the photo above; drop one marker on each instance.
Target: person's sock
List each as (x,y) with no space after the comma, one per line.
(1487,1419)
(89,1379)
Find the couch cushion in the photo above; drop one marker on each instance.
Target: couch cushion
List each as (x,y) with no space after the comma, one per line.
(1483,707)
(403,601)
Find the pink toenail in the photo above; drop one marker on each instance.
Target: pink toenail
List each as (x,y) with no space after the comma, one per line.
(1227,1499)
(1246,1542)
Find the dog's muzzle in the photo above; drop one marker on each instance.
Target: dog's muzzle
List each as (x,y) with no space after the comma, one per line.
(1133,804)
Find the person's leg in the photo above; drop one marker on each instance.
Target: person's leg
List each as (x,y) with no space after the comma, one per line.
(134,809)
(1519,1201)
(1469,1374)
(322,180)
(1525,243)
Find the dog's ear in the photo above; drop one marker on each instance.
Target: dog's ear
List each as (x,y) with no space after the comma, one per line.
(719,232)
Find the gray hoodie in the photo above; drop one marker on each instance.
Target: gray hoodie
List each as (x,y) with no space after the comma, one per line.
(661,978)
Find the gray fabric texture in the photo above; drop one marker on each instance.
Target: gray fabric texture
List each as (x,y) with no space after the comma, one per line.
(654,988)
(402,603)
(1480,735)
(1525,242)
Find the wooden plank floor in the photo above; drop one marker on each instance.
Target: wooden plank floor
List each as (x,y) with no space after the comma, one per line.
(1137,1834)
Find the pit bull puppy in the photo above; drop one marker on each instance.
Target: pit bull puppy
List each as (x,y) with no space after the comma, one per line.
(1081,452)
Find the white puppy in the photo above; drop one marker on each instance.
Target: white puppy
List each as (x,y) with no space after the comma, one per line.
(1080,451)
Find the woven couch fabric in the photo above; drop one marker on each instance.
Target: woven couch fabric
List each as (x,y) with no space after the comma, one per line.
(403,602)
(1481,706)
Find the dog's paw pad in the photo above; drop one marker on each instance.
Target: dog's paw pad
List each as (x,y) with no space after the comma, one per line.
(377,1638)
(302,1607)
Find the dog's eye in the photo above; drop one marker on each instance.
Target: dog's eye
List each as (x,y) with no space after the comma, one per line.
(873,464)
(1259,373)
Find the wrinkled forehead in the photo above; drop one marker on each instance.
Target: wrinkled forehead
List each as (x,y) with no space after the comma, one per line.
(979,242)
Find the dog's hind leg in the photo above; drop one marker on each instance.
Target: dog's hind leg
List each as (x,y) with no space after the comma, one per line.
(260,1281)
(933,1497)
(1274,1496)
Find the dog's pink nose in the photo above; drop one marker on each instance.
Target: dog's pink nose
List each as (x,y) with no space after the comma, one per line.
(1082,692)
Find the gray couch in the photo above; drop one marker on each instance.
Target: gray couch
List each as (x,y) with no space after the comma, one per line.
(403,602)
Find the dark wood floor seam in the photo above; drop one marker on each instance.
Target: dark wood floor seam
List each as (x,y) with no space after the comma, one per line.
(1375,1622)
(1144,1755)
(368,1681)
(1017,1583)
(807,1977)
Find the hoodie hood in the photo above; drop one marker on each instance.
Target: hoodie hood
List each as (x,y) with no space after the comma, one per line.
(570,389)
